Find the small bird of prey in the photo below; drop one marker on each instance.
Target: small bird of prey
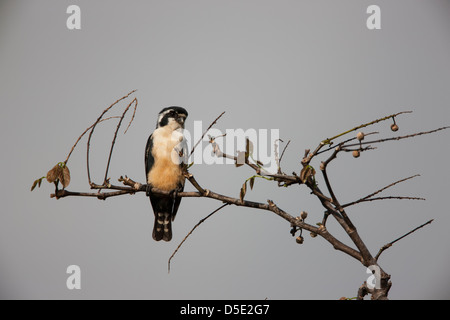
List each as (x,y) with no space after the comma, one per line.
(165,155)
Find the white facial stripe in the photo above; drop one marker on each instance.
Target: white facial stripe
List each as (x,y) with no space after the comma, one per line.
(163,114)
(175,121)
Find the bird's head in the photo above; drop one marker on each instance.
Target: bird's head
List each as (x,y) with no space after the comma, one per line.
(173,117)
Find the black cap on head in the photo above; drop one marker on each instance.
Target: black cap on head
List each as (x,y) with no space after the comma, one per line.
(179,110)
(171,112)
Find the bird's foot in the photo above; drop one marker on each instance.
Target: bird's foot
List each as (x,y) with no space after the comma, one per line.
(148,190)
(174,193)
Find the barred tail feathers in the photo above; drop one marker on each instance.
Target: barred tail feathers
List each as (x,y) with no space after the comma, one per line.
(162,229)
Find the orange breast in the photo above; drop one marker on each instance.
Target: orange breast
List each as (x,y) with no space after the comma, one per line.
(166,173)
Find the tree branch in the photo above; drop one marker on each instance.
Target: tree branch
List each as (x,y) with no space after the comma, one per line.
(270,206)
(388,245)
(307,177)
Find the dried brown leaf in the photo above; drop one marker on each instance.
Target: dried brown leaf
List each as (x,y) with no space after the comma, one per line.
(306,173)
(243,191)
(65,177)
(34,184)
(52,175)
(252,182)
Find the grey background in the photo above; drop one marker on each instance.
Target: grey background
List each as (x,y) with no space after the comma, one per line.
(308,68)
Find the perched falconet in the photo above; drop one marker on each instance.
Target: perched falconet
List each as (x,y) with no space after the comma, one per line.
(165,155)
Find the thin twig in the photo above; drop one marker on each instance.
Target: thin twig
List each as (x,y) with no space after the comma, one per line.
(383,198)
(132,118)
(328,140)
(388,245)
(115,136)
(81,136)
(308,157)
(93,128)
(345,141)
(339,212)
(380,190)
(284,149)
(204,133)
(277,159)
(399,137)
(192,230)
(391,185)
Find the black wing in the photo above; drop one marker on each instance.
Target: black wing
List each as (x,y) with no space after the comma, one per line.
(149,160)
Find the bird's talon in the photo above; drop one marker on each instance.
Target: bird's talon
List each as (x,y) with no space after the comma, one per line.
(148,190)
(173,193)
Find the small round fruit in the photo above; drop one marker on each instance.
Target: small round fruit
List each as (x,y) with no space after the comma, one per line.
(394,127)
(356,153)
(360,136)
(299,239)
